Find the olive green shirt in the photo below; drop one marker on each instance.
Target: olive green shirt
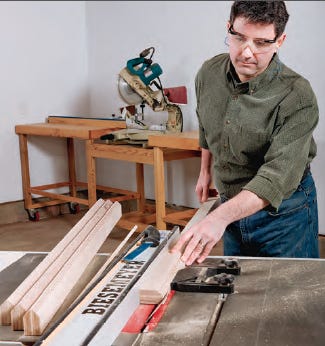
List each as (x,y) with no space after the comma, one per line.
(258,132)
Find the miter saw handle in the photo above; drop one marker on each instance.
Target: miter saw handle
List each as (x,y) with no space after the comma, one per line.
(143,68)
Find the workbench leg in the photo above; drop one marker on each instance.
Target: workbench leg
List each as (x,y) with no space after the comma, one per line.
(91,174)
(140,186)
(72,168)
(159,187)
(23,147)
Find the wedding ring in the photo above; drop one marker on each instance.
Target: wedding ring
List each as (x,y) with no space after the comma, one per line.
(201,243)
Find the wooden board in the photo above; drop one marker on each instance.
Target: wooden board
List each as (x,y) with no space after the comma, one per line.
(27,284)
(55,266)
(62,130)
(102,122)
(41,312)
(155,282)
(180,140)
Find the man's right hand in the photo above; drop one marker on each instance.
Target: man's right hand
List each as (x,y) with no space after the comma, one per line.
(202,187)
(204,180)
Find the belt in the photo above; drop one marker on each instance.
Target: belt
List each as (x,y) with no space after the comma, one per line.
(306,171)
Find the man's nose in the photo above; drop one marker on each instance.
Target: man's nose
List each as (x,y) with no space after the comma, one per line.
(247,51)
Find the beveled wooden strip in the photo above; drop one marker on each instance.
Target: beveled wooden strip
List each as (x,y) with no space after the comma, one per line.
(27,284)
(54,267)
(41,312)
(155,282)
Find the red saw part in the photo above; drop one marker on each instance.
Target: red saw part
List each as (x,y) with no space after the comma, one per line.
(158,314)
(138,319)
(176,95)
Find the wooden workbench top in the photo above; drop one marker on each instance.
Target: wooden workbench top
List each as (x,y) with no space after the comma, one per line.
(188,140)
(69,127)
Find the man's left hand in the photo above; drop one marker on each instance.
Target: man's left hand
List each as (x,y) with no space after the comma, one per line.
(196,243)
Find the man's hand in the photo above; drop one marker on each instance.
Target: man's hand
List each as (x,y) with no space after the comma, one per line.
(204,180)
(202,187)
(199,240)
(196,243)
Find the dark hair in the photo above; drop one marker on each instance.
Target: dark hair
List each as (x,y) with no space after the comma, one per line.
(266,12)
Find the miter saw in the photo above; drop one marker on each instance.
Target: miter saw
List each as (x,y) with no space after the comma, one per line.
(139,84)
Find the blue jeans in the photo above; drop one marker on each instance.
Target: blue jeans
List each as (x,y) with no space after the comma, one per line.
(290,232)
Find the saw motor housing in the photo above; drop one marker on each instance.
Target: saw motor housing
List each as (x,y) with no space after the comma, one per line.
(140,75)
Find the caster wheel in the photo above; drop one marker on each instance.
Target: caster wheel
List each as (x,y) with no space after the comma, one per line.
(33,215)
(74,208)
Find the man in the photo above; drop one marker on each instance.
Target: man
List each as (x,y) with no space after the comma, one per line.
(256,118)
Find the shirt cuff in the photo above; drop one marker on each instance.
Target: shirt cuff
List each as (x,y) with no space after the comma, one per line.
(264,188)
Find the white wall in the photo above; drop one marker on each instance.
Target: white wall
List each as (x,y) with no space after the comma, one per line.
(185,33)
(43,68)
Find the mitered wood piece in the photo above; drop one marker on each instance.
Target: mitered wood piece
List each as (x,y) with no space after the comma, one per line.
(36,274)
(54,267)
(39,315)
(155,282)
(202,211)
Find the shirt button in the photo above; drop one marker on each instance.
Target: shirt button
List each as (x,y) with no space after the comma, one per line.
(227,121)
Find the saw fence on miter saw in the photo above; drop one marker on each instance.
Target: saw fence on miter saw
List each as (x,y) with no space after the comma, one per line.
(139,84)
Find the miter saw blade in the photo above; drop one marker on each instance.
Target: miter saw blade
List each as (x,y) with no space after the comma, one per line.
(127,93)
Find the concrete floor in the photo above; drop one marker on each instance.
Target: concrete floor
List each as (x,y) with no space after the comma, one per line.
(43,235)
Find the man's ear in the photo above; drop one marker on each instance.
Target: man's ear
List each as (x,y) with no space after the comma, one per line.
(228,25)
(280,40)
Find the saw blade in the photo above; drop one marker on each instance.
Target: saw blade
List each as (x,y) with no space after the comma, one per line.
(127,93)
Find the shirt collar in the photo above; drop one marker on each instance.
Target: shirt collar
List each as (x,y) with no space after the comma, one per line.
(261,80)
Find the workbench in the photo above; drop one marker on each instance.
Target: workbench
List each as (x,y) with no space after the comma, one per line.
(70,128)
(161,148)
(276,302)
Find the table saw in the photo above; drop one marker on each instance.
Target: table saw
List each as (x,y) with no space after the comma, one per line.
(275,302)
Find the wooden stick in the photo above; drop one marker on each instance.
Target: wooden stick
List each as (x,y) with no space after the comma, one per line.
(39,315)
(202,212)
(52,270)
(27,284)
(155,282)
(111,257)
